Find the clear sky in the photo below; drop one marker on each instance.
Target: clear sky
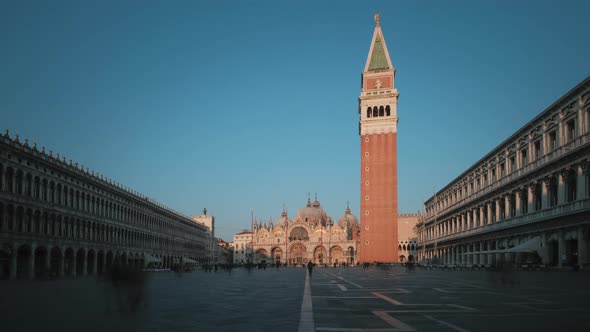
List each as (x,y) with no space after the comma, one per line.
(239,105)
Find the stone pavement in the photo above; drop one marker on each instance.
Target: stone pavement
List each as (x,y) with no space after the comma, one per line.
(337,299)
(392,299)
(262,300)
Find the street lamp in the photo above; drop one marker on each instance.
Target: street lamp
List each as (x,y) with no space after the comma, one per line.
(252,238)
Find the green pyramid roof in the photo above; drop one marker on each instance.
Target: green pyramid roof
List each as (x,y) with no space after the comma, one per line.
(378,59)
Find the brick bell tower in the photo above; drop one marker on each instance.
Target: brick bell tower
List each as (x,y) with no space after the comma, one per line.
(378,131)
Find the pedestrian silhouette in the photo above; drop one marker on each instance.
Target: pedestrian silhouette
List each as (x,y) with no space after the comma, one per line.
(310,268)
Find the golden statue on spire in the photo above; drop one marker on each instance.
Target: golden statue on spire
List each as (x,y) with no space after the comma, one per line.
(377,18)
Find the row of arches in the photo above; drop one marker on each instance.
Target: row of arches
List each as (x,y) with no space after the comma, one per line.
(409,247)
(93,202)
(380,111)
(27,261)
(570,178)
(299,254)
(20,219)
(568,246)
(543,193)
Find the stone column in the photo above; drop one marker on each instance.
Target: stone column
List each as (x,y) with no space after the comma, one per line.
(582,247)
(95,264)
(544,249)
(74,265)
(506,207)
(481,214)
(104,261)
(530,201)
(13,256)
(469,221)
(545,193)
(62,261)
(517,209)
(581,172)
(561,187)
(489,209)
(498,253)
(482,255)
(561,248)
(48,261)
(31,263)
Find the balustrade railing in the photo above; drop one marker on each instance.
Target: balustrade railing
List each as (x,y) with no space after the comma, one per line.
(517,174)
(552,212)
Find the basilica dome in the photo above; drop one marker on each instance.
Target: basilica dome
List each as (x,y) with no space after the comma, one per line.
(281,221)
(348,219)
(313,213)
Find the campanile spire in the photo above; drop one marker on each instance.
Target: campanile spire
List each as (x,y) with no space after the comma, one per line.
(378,131)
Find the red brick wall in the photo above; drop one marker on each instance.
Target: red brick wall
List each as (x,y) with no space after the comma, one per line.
(382,198)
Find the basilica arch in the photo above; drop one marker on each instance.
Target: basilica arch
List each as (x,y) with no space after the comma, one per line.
(320,255)
(299,233)
(337,255)
(262,255)
(298,254)
(276,254)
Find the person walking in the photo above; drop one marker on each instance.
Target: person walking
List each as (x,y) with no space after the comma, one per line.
(310,268)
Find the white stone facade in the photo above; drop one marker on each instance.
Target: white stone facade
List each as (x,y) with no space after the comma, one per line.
(60,219)
(408,237)
(242,247)
(209,222)
(528,200)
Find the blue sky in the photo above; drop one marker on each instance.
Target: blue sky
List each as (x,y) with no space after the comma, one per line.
(233,105)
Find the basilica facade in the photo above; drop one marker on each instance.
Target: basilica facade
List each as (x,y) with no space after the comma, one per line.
(311,236)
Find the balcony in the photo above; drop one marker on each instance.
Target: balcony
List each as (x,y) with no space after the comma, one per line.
(519,173)
(529,218)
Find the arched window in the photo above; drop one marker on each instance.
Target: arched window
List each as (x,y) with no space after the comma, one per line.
(375,112)
(387,111)
(381,111)
(299,233)
(368,112)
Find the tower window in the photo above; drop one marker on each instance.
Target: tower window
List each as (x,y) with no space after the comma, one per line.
(375,112)
(387,110)
(381,111)
(368,112)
